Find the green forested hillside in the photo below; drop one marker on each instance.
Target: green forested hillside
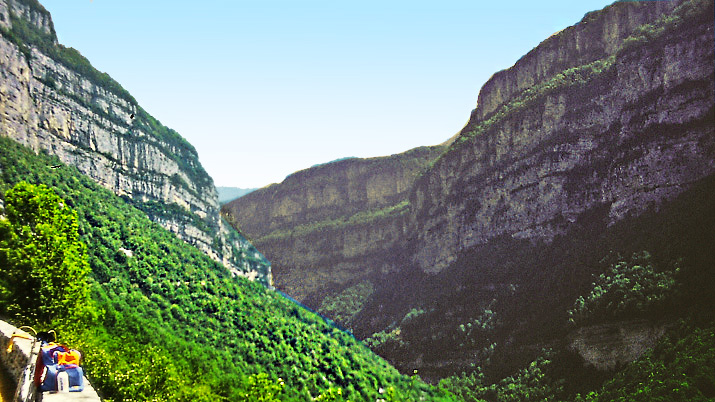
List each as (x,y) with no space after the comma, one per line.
(171,324)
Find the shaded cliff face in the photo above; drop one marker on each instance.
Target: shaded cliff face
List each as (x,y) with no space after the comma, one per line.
(51,99)
(626,131)
(329,226)
(515,216)
(575,151)
(599,34)
(324,260)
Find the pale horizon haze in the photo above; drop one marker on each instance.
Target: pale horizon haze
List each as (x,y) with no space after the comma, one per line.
(264,88)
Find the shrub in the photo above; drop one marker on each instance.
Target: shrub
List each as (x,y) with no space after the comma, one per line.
(628,287)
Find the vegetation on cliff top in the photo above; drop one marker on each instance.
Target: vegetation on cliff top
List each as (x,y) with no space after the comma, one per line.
(203,334)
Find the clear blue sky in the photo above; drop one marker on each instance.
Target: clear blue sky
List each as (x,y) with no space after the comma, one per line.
(263,88)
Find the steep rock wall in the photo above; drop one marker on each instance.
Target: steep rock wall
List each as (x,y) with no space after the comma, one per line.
(571,152)
(329,191)
(52,100)
(598,35)
(625,133)
(334,224)
(315,263)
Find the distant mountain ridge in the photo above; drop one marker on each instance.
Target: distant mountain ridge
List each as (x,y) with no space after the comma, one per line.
(226,194)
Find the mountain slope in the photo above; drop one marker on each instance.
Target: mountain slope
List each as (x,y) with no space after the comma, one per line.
(621,129)
(575,152)
(52,99)
(202,333)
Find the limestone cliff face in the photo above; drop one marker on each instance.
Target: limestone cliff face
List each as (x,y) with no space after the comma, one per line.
(598,35)
(316,262)
(329,191)
(29,11)
(331,224)
(51,99)
(629,130)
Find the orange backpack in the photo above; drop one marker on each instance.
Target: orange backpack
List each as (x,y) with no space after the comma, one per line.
(71,357)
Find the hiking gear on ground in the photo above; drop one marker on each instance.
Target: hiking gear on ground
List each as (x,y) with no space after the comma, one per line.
(54,359)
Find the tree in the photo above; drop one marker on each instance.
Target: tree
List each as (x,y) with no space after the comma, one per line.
(42,260)
(262,389)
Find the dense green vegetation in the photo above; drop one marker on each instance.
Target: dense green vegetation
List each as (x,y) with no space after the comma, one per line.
(344,306)
(529,384)
(42,260)
(391,336)
(201,334)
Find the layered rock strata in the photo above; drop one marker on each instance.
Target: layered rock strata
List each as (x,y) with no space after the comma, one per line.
(52,100)
(627,131)
(332,225)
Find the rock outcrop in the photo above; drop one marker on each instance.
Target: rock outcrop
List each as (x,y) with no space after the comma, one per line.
(52,100)
(607,346)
